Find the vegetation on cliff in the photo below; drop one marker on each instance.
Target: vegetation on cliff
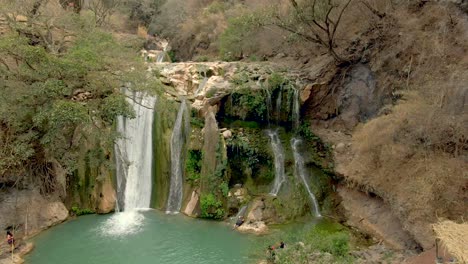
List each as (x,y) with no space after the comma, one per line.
(60,76)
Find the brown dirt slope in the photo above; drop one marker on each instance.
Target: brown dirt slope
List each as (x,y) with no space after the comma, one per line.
(414,152)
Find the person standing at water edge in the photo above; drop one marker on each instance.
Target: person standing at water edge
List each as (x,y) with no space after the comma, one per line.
(239,222)
(10,239)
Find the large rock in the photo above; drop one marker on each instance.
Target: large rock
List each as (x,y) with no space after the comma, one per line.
(257,228)
(29,211)
(193,206)
(371,215)
(107,197)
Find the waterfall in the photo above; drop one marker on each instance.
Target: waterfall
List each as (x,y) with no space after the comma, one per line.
(278,104)
(300,172)
(295,109)
(134,154)
(241,211)
(278,152)
(178,140)
(268,104)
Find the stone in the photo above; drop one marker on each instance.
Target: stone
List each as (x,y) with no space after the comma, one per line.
(257,228)
(373,216)
(340,147)
(193,207)
(34,212)
(227,134)
(256,213)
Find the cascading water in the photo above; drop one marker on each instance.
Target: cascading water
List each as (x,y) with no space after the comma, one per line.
(134,156)
(178,140)
(278,152)
(295,109)
(278,104)
(300,172)
(268,104)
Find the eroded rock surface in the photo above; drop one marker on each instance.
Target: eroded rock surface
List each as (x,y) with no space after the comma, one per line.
(374,217)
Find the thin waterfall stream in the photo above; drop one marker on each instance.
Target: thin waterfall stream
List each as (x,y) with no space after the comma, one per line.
(301,173)
(278,152)
(178,140)
(295,109)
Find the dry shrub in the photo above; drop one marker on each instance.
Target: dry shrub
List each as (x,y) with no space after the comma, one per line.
(403,157)
(454,236)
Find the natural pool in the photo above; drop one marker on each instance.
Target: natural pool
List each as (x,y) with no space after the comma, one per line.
(142,237)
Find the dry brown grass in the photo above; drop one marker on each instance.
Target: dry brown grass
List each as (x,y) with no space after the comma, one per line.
(454,237)
(415,156)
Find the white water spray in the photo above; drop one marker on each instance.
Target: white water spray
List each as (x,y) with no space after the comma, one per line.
(300,172)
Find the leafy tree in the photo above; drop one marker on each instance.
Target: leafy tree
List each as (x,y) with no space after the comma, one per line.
(55,100)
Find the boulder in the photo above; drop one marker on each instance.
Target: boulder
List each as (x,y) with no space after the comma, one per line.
(340,147)
(33,212)
(107,197)
(257,228)
(227,134)
(193,206)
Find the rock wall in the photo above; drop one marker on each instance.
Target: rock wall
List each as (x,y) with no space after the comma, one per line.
(29,212)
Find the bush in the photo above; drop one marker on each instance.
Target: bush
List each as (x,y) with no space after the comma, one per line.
(193,166)
(211,207)
(81,211)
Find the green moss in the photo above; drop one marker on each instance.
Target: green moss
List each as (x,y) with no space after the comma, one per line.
(81,211)
(164,117)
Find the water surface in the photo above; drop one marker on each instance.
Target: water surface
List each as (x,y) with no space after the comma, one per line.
(144,237)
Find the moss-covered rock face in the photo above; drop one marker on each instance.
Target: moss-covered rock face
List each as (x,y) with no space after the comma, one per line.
(164,118)
(90,188)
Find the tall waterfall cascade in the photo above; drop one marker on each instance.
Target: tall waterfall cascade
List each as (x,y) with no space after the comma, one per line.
(301,173)
(278,152)
(134,156)
(179,137)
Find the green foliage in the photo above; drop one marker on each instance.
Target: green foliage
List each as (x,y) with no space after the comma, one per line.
(115,105)
(235,39)
(248,103)
(224,188)
(55,100)
(305,132)
(276,81)
(81,211)
(322,238)
(193,166)
(333,242)
(172,55)
(211,207)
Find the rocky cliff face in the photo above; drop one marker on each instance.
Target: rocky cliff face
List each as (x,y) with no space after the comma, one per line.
(28,212)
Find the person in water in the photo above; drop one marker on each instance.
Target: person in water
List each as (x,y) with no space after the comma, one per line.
(239,222)
(10,239)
